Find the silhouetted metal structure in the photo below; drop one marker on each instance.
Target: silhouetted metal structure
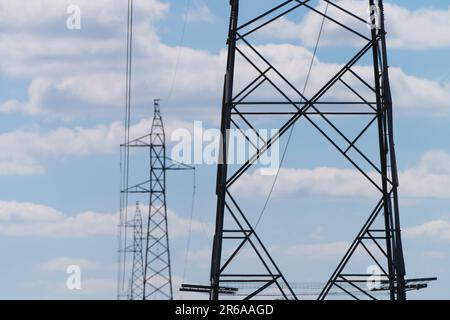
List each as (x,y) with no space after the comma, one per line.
(367,99)
(157,272)
(137,270)
(156,280)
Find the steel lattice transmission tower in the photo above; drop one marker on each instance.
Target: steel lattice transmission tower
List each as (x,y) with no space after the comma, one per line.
(137,273)
(156,279)
(157,272)
(367,100)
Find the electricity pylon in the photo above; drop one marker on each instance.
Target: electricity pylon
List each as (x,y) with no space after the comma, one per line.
(367,100)
(137,272)
(157,271)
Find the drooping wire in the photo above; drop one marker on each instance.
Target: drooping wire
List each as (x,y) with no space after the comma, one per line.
(125,155)
(180,50)
(191,218)
(291,131)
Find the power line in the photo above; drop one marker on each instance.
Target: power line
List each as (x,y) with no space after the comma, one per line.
(191,217)
(124,159)
(180,50)
(293,127)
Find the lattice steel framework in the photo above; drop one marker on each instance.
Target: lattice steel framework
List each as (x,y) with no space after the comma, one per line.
(157,277)
(380,236)
(137,272)
(157,272)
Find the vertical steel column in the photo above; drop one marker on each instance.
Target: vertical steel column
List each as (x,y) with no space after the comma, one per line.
(384,150)
(399,261)
(387,154)
(223,156)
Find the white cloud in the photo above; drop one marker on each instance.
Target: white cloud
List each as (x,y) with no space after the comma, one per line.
(318,233)
(199,257)
(324,251)
(25,211)
(9,106)
(400,22)
(82,225)
(34,220)
(82,75)
(61,264)
(200,12)
(321,251)
(432,97)
(435,254)
(26,150)
(437,229)
(317,251)
(90,287)
(32,14)
(179,227)
(430,179)
(320,181)
(22,169)
(98,285)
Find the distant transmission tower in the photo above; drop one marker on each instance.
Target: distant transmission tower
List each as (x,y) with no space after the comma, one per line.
(137,272)
(367,100)
(157,272)
(154,281)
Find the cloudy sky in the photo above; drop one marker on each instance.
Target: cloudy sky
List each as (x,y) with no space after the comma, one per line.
(62,104)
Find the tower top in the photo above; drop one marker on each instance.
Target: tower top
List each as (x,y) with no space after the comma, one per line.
(156,106)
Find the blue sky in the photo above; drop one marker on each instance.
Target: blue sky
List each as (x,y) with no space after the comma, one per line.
(61,108)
